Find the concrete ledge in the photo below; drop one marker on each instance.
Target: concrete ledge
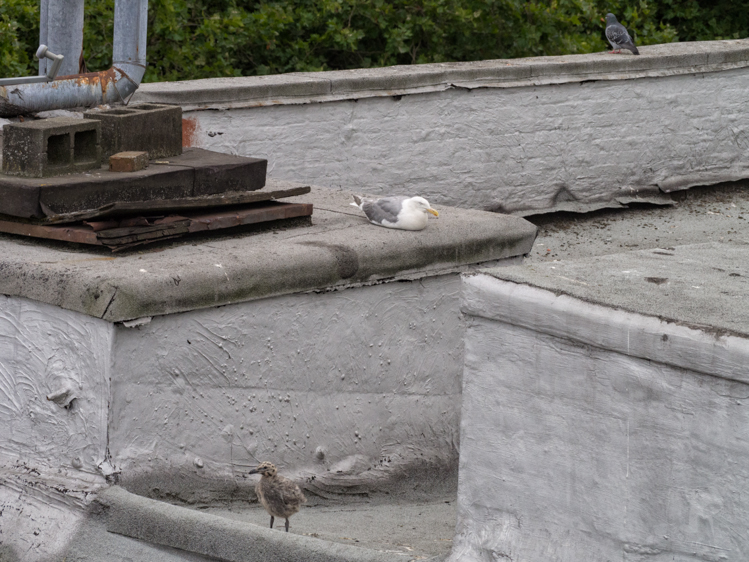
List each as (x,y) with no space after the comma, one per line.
(341,249)
(624,332)
(309,87)
(219,537)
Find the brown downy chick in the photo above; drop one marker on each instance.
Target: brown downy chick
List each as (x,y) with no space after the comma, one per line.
(279,496)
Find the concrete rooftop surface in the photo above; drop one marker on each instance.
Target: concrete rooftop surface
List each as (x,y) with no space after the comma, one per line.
(341,248)
(686,263)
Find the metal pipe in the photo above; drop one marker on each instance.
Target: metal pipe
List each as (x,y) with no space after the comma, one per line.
(95,88)
(61,28)
(42,53)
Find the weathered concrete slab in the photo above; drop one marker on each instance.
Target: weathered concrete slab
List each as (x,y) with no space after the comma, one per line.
(341,249)
(51,147)
(195,173)
(156,129)
(700,285)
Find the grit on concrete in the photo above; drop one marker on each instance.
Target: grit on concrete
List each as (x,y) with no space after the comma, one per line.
(410,530)
(705,214)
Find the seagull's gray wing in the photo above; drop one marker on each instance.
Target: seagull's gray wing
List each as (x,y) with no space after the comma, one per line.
(385,209)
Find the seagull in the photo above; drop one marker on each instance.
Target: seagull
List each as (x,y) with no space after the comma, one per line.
(405,213)
(617,35)
(278,495)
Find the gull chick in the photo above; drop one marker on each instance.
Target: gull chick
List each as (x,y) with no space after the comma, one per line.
(617,35)
(405,213)
(278,495)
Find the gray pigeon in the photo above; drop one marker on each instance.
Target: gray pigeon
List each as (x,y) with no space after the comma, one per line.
(617,35)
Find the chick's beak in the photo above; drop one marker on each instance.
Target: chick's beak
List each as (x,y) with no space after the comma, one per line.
(435,213)
(254,471)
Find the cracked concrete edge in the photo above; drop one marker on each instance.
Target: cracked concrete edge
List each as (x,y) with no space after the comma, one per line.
(314,87)
(211,535)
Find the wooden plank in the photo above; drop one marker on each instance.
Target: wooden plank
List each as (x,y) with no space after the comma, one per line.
(71,233)
(119,234)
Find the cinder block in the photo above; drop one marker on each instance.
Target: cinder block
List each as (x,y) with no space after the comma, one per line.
(51,147)
(128,161)
(152,128)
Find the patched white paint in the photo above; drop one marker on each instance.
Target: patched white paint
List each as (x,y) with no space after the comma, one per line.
(45,350)
(504,148)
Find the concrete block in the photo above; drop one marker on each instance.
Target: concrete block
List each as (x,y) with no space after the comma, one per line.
(128,161)
(156,129)
(51,147)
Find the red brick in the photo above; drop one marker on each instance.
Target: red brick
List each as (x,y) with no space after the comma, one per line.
(128,161)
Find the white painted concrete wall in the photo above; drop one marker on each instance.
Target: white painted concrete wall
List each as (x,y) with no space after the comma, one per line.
(42,350)
(590,129)
(577,446)
(49,454)
(370,376)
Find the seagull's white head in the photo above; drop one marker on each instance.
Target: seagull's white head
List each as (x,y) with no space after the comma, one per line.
(420,204)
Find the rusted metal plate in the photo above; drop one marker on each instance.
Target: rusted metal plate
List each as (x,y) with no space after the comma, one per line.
(122,233)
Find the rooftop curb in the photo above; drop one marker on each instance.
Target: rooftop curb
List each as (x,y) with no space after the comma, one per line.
(313,87)
(211,535)
(341,249)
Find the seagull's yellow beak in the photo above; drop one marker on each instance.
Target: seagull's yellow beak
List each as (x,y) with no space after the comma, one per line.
(435,213)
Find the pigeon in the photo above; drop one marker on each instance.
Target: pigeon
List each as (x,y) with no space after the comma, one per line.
(278,495)
(405,213)
(617,35)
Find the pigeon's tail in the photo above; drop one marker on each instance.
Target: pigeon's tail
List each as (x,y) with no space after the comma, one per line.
(630,46)
(358,202)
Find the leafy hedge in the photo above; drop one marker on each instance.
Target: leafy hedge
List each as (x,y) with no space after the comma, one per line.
(207,38)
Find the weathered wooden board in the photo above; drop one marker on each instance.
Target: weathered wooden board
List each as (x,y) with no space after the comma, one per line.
(123,233)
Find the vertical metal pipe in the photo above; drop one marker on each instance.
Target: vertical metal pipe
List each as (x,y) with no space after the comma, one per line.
(43,12)
(130,29)
(61,29)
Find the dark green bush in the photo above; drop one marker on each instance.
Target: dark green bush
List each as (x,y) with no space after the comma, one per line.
(207,38)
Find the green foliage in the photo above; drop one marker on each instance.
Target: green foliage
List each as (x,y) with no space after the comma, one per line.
(209,38)
(19,37)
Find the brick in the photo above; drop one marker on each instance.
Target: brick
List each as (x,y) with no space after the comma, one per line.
(152,128)
(51,147)
(128,161)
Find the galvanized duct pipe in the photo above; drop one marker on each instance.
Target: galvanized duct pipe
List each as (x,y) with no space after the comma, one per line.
(94,88)
(61,29)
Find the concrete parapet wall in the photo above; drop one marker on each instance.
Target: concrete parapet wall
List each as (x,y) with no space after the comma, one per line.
(511,135)
(349,390)
(579,442)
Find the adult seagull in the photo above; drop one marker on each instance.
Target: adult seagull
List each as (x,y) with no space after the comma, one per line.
(405,213)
